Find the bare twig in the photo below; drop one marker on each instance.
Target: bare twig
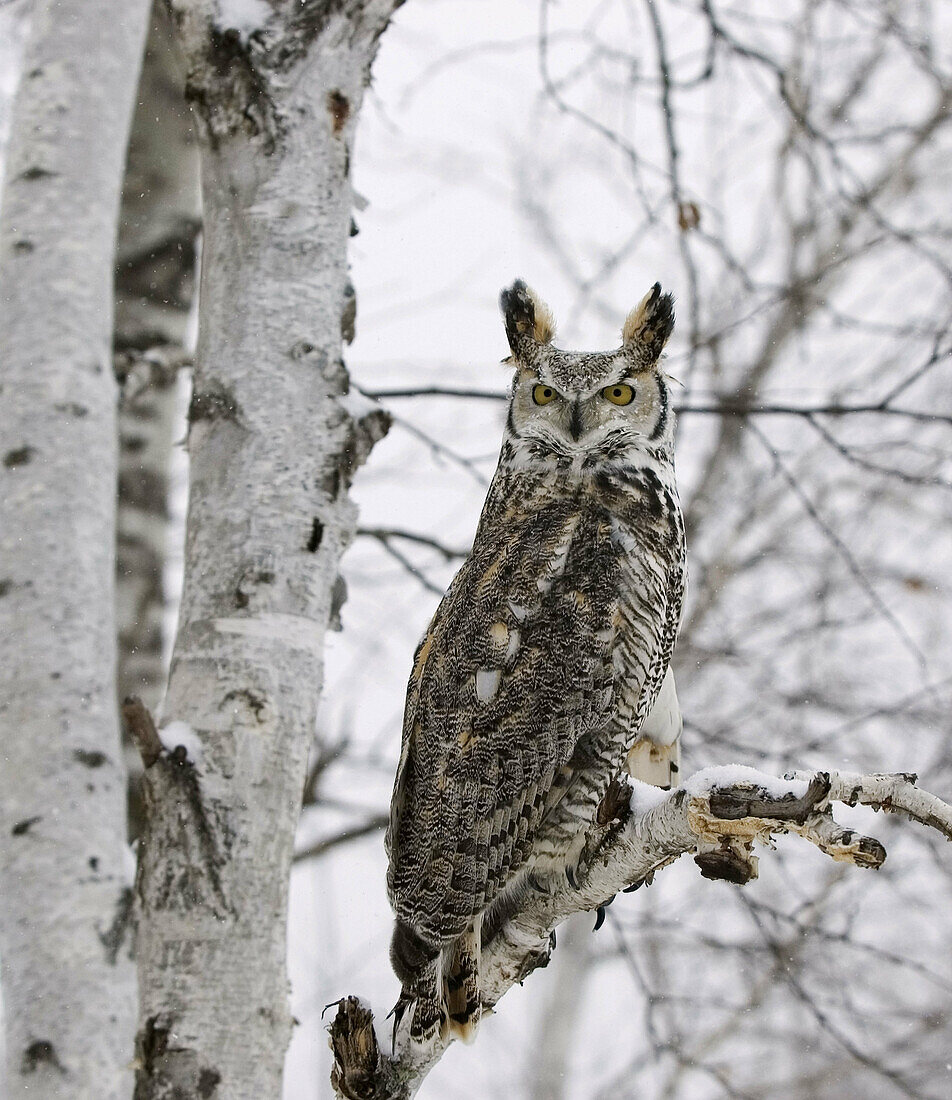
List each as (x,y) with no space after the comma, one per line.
(731,409)
(356,832)
(384,533)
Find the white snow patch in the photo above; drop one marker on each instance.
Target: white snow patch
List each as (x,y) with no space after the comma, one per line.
(645,796)
(732,774)
(244,16)
(181,733)
(487,683)
(356,405)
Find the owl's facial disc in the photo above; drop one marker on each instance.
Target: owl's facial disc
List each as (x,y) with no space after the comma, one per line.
(608,415)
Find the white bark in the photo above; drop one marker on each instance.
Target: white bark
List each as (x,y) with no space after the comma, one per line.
(67,981)
(272,449)
(718,814)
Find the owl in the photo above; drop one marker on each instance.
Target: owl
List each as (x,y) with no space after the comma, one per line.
(546,670)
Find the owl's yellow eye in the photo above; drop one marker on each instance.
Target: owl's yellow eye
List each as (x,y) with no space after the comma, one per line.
(619,394)
(542,395)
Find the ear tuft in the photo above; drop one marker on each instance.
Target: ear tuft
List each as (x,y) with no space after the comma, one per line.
(527,316)
(544,328)
(650,323)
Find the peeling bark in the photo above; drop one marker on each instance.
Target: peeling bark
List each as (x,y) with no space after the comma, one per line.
(274,441)
(68,984)
(717,813)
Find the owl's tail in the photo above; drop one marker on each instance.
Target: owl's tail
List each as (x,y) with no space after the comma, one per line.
(462,985)
(440,984)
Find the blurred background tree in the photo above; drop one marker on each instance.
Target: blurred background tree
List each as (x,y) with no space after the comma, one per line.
(785,172)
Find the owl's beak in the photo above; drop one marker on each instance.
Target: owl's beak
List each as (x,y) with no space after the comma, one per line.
(576,427)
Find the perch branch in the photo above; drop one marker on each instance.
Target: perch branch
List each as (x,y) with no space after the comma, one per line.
(717,816)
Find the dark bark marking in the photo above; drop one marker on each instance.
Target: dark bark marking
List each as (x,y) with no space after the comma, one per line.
(233,98)
(133,444)
(167,1071)
(23,827)
(208,1082)
(172,778)
(214,403)
(336,376)
(19,456)
(330,484)
(248,583)
(24,246)
(361,438)
(141,340)
(338,106)
(91,759)
(302,29)
(256,701)
(163,271)
(338,599)
(6,586)
(151,1044)
(145,489)
(317,534)
(93,862)
(301,349)
(112,938)
(72,408)
(36,172)
(348,315)
(40,1052)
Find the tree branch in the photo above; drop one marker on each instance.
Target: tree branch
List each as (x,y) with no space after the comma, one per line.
(717,815)
(732,409)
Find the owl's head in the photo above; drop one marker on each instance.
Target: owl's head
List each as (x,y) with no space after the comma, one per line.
(567,404)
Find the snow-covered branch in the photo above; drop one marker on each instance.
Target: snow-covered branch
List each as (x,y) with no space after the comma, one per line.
(718,815)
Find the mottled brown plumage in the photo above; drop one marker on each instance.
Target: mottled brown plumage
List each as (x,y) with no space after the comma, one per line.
(538,674)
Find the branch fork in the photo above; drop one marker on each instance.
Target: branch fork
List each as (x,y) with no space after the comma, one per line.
(718,815)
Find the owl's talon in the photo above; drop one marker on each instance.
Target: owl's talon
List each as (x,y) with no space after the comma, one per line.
(601,911)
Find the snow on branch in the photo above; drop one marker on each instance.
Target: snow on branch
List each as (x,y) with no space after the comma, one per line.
(717,815)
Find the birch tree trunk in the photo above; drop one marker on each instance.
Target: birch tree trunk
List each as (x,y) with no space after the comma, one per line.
(67,981)
(273,442)
(155,285)
(155,268)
